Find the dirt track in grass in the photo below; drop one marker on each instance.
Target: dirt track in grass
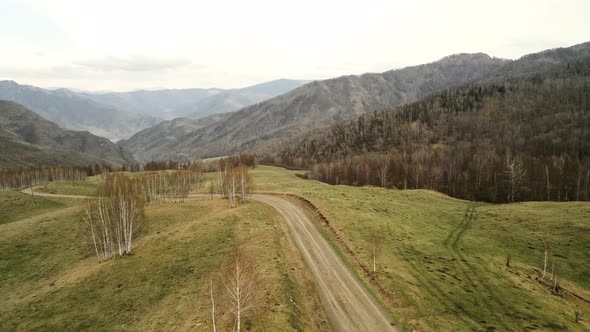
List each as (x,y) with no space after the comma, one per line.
(347,302)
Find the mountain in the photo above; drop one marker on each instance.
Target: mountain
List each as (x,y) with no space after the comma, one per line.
(27,139)
(541,61)
(321,103)
(261,126)
(158,103)
(193,103)
(73,111)
(149,143)
(233,100)
(525,138)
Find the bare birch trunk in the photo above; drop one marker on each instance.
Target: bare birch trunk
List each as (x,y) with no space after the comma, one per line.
(212,305)
(545,261)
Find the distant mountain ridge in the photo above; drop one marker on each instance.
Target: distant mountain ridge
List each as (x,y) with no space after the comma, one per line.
(72,111)
(193,103)
(27,139)
(149,142)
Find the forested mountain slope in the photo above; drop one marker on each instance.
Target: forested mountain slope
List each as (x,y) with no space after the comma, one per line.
(29,139)
(521,139)
(263,126)
(150,143)
(325,102)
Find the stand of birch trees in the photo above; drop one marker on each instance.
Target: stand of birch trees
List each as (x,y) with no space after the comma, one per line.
(26,177)
(116,218)
(234,182)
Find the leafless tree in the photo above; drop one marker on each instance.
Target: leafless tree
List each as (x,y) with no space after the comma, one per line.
(375,246)
(245,182)
(212,306)
(548,183)
(211,189)
(516,174)
(546,259)
(241,283)
(383,166)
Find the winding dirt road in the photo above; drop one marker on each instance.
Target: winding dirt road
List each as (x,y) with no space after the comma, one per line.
(347,302)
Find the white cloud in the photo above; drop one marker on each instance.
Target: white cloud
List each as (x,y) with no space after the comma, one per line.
(133,63)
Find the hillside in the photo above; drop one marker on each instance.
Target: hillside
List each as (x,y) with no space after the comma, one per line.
(262,126)
(520,139)
(30,140)
(325,102)
(72,111)
(48,269)
(16,153)
(149,143)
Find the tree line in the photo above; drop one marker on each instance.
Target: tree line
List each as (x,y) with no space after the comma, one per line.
(27,177)
(523,139)
(159,186)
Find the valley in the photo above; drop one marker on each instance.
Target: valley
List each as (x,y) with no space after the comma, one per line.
(440,262)
(406,166)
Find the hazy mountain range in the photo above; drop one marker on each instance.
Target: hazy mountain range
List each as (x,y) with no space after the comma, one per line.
(193,103)
(118,115)
(27,139)
(73,111)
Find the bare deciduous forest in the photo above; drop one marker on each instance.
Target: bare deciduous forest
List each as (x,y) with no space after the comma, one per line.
(25,177)
(523,139)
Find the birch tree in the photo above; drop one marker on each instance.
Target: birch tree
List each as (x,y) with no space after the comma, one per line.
(245,182)
(241,284)
(212,306)
(516,174)
(375,246)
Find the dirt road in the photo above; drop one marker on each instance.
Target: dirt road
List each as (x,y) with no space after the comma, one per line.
(346,301)
(38,193)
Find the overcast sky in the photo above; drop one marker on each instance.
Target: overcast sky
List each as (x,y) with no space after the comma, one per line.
(126,45)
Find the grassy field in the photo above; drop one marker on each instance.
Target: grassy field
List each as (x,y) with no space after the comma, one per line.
(441,261)
(16,206)
(87,188)
(50,281)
